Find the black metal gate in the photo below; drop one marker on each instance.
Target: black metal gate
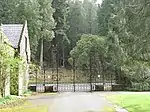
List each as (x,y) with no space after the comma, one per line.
(74,79)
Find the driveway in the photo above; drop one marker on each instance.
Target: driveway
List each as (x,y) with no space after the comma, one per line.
(72,102)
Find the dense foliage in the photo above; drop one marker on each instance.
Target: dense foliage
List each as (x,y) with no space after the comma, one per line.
(125,27)
(117,34)
(8,66)
(127,30)
(5,62)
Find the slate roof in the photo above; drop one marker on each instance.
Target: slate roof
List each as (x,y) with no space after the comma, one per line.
(13,32)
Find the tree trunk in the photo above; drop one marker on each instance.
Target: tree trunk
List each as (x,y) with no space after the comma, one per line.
(90,17)
(41,55)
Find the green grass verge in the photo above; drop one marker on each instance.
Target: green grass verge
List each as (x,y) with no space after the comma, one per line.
(26,109)
(132,102)
(15,104)
(11,101)
(7,99)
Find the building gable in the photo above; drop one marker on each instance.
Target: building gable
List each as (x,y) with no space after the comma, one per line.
(13,32)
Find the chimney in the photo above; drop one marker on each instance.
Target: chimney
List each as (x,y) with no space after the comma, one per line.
(25,22)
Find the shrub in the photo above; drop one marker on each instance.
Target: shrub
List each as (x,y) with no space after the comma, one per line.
(10,101)
(14,81)
(139,87)
(6,58)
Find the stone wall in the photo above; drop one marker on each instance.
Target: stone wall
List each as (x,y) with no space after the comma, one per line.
(25,54)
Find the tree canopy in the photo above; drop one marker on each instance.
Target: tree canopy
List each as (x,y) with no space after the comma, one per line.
(116,32)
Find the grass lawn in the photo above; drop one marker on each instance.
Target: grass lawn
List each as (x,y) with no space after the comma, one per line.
(13,104)
(132,102)
(26,108)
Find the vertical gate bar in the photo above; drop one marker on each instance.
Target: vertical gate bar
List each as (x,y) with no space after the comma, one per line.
(111,81)
(95,71)
(52,59)
(90,72)
(44,80)
(57,61)
(103,81)
(74,75)
(103,77)
(36,81)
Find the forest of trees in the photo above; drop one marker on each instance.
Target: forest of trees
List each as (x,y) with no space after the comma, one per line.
(116,32)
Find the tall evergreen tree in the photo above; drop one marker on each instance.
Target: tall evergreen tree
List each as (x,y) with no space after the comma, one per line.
(104,13)
(90,13)
(47,24)
(7,11)
(76,21)
(60,16)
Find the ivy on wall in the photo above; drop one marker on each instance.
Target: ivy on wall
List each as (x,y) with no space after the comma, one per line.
(9,65)
(6,57)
